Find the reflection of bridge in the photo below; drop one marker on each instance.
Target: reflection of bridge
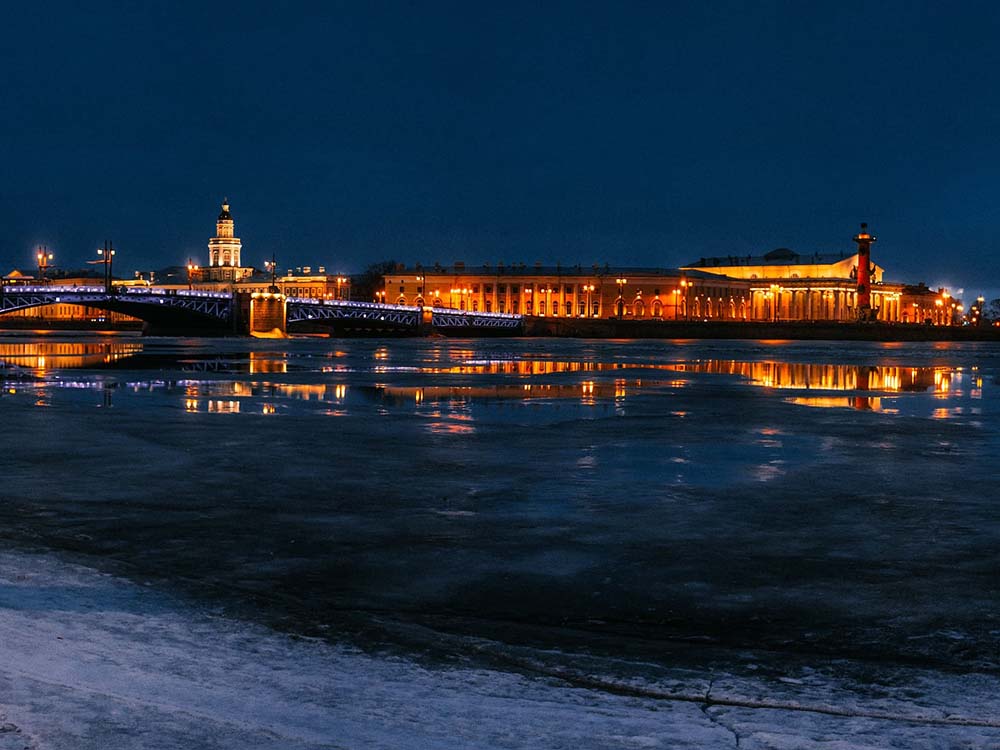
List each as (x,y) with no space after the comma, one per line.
(191,310)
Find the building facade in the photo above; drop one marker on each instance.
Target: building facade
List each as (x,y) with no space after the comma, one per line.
(595,292)
(224,251)
(781,285)
(785,285)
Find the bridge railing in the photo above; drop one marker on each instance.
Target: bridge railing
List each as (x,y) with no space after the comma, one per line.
(51,289)
(476,313)
(133,291)
(350,303)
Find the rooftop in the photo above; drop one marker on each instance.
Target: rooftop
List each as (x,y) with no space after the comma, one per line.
(781,256)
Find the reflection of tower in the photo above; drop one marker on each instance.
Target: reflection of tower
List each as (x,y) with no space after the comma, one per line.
(864,240)
(224,248)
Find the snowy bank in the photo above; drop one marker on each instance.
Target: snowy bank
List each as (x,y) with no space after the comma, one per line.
(91,661)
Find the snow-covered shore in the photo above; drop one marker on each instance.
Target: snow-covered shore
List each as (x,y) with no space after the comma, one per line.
(91,661)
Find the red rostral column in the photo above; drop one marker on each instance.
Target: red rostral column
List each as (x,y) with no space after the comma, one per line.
(864,304)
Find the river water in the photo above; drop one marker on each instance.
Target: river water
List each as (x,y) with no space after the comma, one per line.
(689,502)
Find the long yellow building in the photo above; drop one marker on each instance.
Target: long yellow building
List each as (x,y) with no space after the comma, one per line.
(810,288)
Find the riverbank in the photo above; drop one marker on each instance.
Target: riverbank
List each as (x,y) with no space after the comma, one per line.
(792,330)
(92,661)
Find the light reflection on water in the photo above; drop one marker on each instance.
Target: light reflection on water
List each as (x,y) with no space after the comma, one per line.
(57,355)
(600,379)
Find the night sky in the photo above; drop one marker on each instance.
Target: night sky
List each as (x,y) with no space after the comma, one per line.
(628,133)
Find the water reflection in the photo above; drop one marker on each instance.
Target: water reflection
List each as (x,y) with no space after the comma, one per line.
(518,379)
(52,355)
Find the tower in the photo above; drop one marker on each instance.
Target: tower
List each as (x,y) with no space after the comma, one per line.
(224,248)
(864,305)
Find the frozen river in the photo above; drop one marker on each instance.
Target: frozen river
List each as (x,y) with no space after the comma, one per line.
(616,515)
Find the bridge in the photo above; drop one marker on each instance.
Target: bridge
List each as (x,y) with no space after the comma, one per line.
(190,311)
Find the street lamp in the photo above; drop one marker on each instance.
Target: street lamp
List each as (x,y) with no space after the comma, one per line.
(621,301)
(775,292)
(588,288)
(192,267)
(341,280)
(44,261)
(547,291)
(107,254)
(380,296)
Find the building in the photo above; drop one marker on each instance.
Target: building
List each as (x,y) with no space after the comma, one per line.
(223,253)
(781,285)
(571,291)
(300,282)
(785,285)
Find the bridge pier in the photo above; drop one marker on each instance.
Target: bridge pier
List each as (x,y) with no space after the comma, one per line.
(268,315)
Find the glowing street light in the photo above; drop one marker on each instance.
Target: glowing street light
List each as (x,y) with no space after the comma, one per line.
(192,267)
(775,294)
(44,262)
(621,300)
(107,255)
(589,289)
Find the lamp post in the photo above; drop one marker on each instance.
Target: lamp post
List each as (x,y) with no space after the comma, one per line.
(685,285)
(547,291)
(107,254)
(44,262)
(272,266)
(341,280)
(191,269)
(621,300)
(588,288)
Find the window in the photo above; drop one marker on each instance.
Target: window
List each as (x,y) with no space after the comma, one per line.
(475,288)
(475,305)
(488,288)
(489,305)
(569,309)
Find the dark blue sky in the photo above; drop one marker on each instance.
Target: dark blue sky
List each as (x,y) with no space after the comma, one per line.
(633,133)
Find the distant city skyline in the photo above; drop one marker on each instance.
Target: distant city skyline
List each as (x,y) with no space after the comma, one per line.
(579,134)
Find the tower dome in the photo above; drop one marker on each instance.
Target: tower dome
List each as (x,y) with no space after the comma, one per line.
(224,248)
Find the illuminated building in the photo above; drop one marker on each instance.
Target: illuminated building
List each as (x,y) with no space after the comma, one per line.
(223,252)
(785,285)
(299,283)
(571,291)
(781,285)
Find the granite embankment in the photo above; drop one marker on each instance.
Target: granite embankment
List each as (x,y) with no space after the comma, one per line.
(797,330)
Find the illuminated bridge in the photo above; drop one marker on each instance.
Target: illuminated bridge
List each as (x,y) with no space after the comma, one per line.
(194,310)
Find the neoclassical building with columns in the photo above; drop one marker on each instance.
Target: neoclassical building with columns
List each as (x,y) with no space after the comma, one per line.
(779,285)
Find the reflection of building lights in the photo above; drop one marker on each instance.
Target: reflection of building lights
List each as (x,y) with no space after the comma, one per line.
(268,409)
(223,407)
